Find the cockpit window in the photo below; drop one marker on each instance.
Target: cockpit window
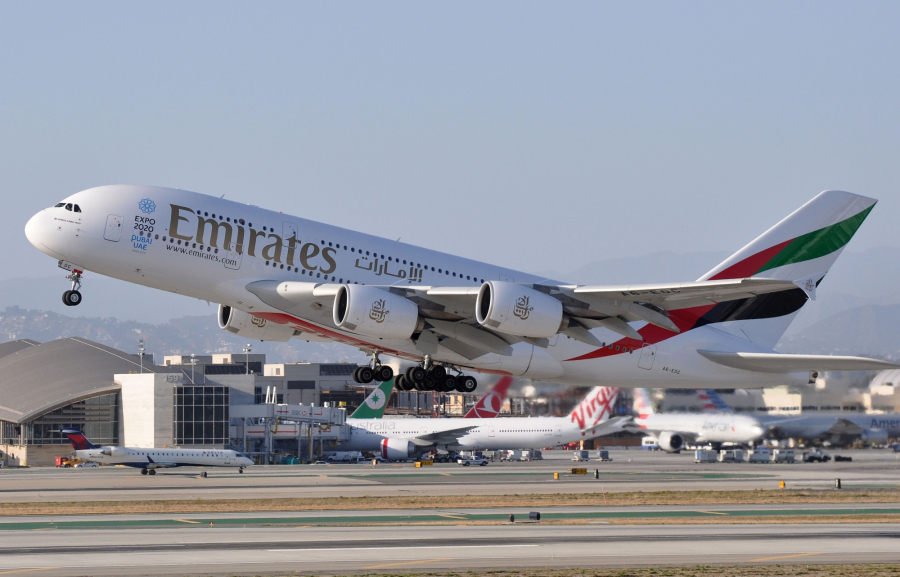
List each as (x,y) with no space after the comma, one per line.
(69,206)
(77,208)
(59,205)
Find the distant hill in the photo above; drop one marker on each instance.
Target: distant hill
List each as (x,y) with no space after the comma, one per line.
(185,335)
(869,330)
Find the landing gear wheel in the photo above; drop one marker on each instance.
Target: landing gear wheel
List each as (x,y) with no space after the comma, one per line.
(403,384)
(144,471)
(447,384)
(152,471)
(466,384)
(416,375)
(366,375)
(72,298)
(241,470)
(437,373)
(356,374)
(384,373)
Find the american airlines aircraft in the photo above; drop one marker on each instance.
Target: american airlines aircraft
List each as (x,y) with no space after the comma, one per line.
(403,438)
(277,276)
(149,460)
(673,430)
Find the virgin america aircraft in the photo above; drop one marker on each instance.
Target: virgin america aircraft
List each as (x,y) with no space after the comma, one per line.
(277,277)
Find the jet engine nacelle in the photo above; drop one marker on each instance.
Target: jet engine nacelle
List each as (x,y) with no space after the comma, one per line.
(113,451)
(250,326)
(397,449)
(517,310)
(373,312)
(670,442)
(877,436)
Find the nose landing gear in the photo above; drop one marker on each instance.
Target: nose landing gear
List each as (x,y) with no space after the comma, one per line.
(72,297)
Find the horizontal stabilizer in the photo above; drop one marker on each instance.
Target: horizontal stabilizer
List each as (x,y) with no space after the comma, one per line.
(777,363)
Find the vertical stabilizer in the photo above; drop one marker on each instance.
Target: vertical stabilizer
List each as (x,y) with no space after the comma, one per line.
(643,405)
(490,404)
(711,401)
(78,440)
(596,407)
(375,404)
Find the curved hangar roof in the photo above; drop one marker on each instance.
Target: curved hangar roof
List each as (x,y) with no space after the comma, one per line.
(39,378)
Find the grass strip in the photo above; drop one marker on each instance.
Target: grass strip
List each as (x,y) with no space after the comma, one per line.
(637,498)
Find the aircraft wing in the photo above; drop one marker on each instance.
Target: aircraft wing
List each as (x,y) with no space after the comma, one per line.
(447,437)
(784,363)
(610,426)
(159,464)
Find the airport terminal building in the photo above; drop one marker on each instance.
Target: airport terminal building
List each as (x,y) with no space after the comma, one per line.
(118,398)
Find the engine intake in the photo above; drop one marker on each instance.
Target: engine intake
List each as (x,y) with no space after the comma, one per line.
(877,436)
(517,310)
(375,313)
(252,327)
(397,449)
(671,442)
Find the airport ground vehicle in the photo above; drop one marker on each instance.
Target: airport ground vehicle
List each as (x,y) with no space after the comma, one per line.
(759,455)
(321,463)
(581,456)
(704,456)
(86,465)
(731,456)
(783,456)
(815,456)
(472,461)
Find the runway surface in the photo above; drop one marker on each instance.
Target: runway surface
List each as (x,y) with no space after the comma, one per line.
(633,470)
(221,550)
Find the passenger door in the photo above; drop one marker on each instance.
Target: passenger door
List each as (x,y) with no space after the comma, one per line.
(113,230)
(648,353)
(232,258)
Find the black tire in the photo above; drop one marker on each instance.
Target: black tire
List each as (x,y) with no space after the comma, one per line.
(466,384)
(385,373)
(416,375)
(356,374)
(400,383)
(448,383)
(366,375)
(152,471)
(437,372)
(72,298)
(241,470)
(483,464)
(466,464)
(144,471)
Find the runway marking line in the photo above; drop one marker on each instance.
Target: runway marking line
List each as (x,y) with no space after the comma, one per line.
(27,570)
(783,557)
(186,521)
(403,548)
(713,512)
(449,517)
(405,563)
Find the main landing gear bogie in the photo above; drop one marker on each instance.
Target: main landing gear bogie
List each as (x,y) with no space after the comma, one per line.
(435,379)
(376,372)
(148,471)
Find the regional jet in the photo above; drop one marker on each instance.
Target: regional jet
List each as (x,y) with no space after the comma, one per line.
(149,460)
(277,276)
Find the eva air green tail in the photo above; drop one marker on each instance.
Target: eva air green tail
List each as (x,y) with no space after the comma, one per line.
(375,404)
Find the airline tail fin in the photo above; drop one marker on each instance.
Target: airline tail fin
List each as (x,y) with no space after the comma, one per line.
(596,407)
(78,440)
(801,248)
(375,404)
(712,401)
(490,404)
(643,405)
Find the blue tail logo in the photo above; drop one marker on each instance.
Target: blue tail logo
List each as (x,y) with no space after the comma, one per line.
(78,440)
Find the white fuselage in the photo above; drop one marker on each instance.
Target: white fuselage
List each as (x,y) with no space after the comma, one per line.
(486,434)
(185,243)
(704,428)
(164,458)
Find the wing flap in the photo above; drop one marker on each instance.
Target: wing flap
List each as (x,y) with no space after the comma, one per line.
(784,363)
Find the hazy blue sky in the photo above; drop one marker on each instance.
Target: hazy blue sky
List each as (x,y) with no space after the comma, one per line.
(533,135)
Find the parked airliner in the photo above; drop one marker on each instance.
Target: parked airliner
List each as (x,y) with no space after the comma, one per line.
(403,438)
(278,276)
(148,460)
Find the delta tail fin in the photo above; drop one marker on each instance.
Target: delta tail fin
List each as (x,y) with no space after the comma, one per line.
(801,248)
(375,404)
(490,404)
(78,440)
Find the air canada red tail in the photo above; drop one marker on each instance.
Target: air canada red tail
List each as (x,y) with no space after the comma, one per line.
(78,440)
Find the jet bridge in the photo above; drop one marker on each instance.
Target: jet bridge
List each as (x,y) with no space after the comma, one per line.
(270,422)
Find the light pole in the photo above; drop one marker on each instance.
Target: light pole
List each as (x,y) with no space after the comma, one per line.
(141,353)
(247,348)
(193,362)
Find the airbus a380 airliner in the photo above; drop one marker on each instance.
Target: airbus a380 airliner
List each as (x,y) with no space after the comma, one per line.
(278,276)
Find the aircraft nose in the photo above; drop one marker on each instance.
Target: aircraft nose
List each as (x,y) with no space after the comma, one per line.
(757,431)
(34,229)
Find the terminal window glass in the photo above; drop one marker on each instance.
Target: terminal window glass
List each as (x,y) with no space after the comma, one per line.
(301,385)
(336,370)
(97,417)
(201,415)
